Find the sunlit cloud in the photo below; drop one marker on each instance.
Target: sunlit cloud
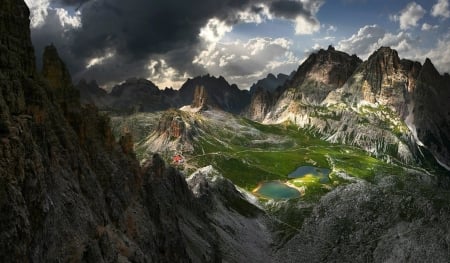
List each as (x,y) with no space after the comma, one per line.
(245,62)
(99,60)
(164,76)
(428,27)
(441,9)
(214,30)
(409,16)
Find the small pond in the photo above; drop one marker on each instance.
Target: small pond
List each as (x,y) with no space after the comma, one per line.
(304,171)
(276,190)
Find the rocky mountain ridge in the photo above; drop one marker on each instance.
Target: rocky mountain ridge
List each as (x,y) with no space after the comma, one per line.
(271,82)
(369,104)
(379,104)
(376,104)
(140,95)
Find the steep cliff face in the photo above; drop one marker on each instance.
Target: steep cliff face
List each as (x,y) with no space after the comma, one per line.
(172,125)
(320,74)
(54,70)
(175,132)
(431,111)
(376,101)
(383,79)
(200,98)
(260,104)
(219,94)
(411,94)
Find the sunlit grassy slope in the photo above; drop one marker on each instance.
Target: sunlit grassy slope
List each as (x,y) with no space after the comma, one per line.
(248,161)
(249,153)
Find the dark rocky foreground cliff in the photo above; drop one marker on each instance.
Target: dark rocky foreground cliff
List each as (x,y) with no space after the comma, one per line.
(70,193)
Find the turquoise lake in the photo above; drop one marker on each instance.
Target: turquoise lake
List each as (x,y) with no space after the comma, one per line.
(277,190)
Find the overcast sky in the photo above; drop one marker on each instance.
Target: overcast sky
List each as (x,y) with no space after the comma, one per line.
(168,41)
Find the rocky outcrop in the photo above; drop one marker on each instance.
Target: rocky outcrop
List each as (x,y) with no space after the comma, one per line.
(242,228)
(200,98)
(174,133)
(134,95)
(172,125)
(375,222)
(260,104)
(126,143)
(219,94)
(16,54)
(321,73)
(59,84)
(383,79)
(54,70)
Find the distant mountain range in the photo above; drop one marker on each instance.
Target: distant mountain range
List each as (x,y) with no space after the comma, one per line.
(386,105)
(271,82)
(141,95)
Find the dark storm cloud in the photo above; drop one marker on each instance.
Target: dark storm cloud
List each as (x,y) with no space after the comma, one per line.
(75,3)
(139,30)
(288,9)
(141,27)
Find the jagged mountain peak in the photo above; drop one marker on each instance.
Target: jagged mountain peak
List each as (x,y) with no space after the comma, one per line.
(322,72)
(142,81)
(200,98)
(386,57)
(135,85)
(215,92)
(382,79)
(429,68)
(54,69)
(207,80)
(271,76)
(385,50)
(324,57)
